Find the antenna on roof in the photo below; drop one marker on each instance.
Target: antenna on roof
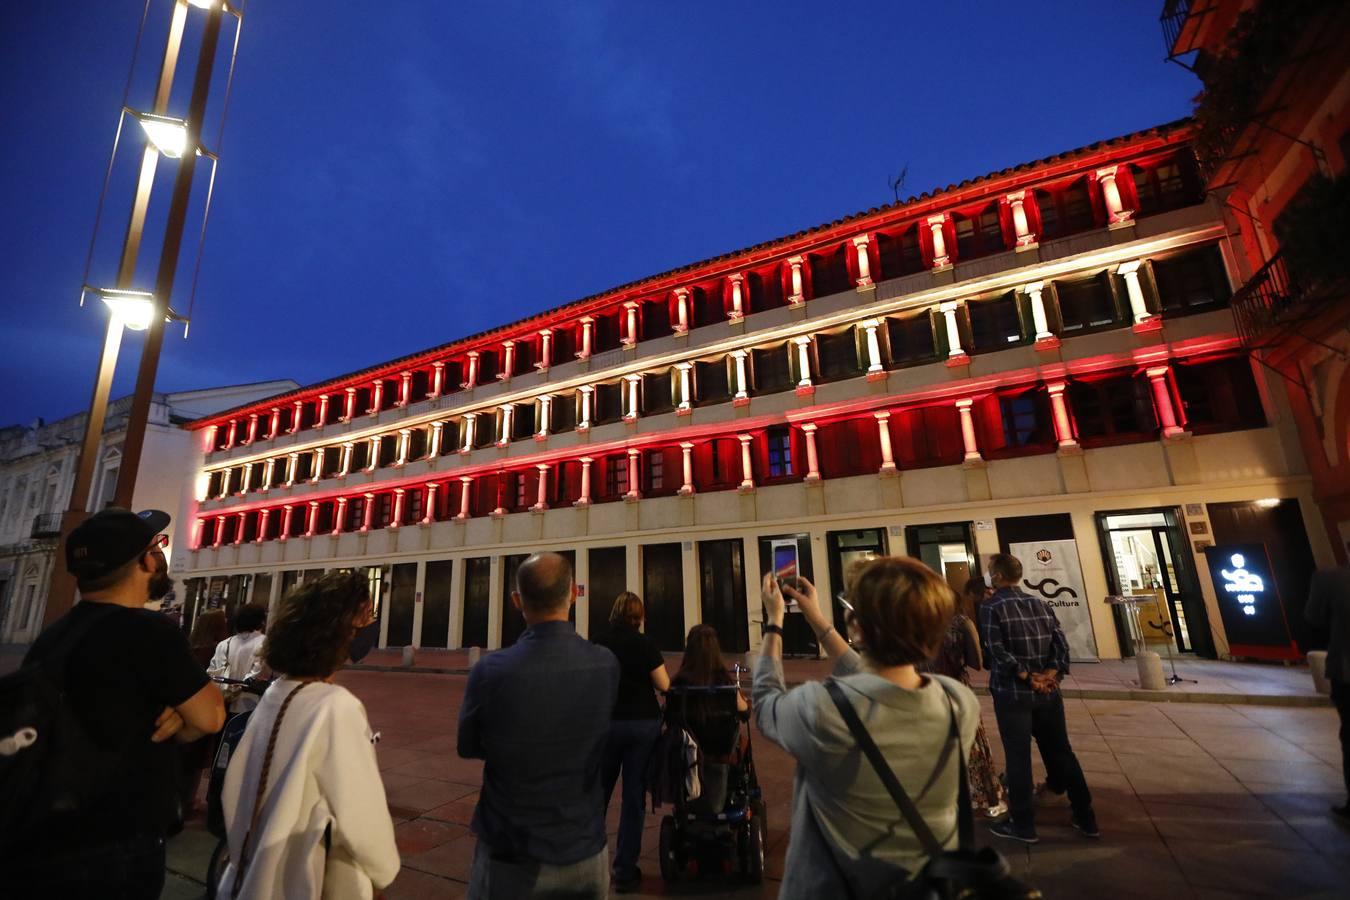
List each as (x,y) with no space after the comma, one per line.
(898,182)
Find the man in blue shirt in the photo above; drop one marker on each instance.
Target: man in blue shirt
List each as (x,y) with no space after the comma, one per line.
(538,714)
(1028,655)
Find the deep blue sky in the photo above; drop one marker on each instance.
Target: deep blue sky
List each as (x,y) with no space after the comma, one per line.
(398,174)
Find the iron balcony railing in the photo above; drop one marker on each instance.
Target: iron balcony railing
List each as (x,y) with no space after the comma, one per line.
(1173,20)
(1267,301)
(46,525)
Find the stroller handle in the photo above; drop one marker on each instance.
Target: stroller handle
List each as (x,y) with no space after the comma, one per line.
(250,686)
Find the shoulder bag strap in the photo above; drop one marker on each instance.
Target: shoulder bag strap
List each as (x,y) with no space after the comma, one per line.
(883,770)
(244,856)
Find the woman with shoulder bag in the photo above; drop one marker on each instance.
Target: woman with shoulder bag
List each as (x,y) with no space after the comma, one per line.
(875,726)
(305,808)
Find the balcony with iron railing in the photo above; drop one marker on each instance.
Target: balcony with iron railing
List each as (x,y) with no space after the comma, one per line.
(1277,301)
(46,525)
(1173,18)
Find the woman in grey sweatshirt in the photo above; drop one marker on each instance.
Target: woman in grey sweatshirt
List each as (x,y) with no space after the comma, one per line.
(848,837)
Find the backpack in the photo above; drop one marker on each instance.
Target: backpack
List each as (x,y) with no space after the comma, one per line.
(49,767)
(673,769)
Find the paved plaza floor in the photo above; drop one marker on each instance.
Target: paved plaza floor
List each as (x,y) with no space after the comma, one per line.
(1195,800)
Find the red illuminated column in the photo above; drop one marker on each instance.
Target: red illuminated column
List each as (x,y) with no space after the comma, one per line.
(545,420)
(747,466)
(742,394)
(1162,402)
(803,362)
(541,498)
(940,256)
(630,310)
(231,434)
(884,435)
(345,466)
(508,361)
(376,397)
(349,404)
(437,379)
(633,492)
(292,467)
(686,389)
(434,442)
(429,514)
(404,443)
(874,365)
(812,460)
(545,350)
(955,354)
(275,428)
(287,518)
(340,518)
(584,420)
(209,438)
(500,509)
(687,454)
(465,489)
(239,529)
(798,290)
(737,297)
(368,514)
(508,419)
(252,428)
(404,389)
(197,526)
(587,337)
(220,531)
(263,516)
(1116,213)
(374,462)
(313,522)
(585,498)
(397,519)
(1060,413)
(471,378)
(681,311)
(1021,227)
(963,406)
(1135,291)
(323,411)
(631,383)
(1038,318)
(864,265)
(269,471)
(297,414)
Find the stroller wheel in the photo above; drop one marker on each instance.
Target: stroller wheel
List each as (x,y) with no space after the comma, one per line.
(219,857)
(669,849)
(753,840)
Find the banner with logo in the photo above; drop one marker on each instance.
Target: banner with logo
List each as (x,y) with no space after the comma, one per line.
(1050,570)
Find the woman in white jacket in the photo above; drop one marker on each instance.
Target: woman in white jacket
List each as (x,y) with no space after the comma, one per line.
(304,805)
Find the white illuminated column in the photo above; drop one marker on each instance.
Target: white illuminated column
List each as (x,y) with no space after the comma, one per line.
(465,489)
(630,309)
(955,354)
(1116,213)
(541,498)
(340,516)
(1034,292)
(508,420)
(247,481)
(1162,402)
(287,518)
(963,406)
(545,350)
(429,511)
(374,462)
(209,439)
(587,337)
(252,428)
(231,434)
(584,420)
(239,529)
(312,522)
(742,394)
(545,417)
(812,460)
(1060,413)
(585,498)
(737,297)
(470,422)
(1138,306)
(940,256)
(317,466)
(631,383)
(263,516)
(404,389)
(1021,227)
(292,466)
(322,418)
(681,311)
(873,347)
(508,361)
(798,295)
(404,446)
(275,428)
(687,454)
(376,397)
(471,378)
(434,442)
(349,405)
(803,362)
(633,492)
(884,435)
(864,265)
(747,465)
(345,464)
(437,380)
(269,469)
(397,518)
(368,516)
(296,417)
(686,389)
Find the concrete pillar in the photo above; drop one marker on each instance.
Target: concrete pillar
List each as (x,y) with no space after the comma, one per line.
(747,465)
(1060,413)
(545,417)
(340,515)
(404,389)
(545,350)
(634,486)
(630,393)
(873,346)
(348,404)
(542,498)
(368,513)
(963,407)
(812,460)
(465,492)
(420,589)
(630,337)
(884,435)
(940,256)
(742,394)
(1116,213)
(396,519)
(681,311)
(470,421)
(1021,228)
(437,379)
(1038,317)
(434,441)
(686,403)
(1162,402)
(508,361)
(737,284)
(687,455)
(585,498)
(263,516)
(345,463)
(584,420)
(803,361)
(864,264)
(798,295)
(429,506)
(587,337)
(471,377)
(1135,291)
(955,353)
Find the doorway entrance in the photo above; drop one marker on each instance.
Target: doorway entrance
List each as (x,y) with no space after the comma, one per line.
(948,549)
(798,638)
(847,548)
(721,573)
(1147,553)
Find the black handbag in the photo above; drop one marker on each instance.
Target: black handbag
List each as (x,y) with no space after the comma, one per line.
(962,874)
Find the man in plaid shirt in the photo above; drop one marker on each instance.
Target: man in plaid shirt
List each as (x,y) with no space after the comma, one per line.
(1028,655)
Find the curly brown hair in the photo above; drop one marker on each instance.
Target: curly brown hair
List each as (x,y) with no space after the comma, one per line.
(903,609)
(312,634)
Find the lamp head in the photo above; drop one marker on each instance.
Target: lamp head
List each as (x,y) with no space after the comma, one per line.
(169,136)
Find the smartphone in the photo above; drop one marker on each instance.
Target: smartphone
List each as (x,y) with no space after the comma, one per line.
(785,566)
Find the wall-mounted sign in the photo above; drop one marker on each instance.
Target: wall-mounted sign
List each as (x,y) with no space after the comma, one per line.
(984,524)
(1199,527)
(1249,602)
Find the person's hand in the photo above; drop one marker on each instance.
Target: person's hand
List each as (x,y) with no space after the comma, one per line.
(1042,683)
(804,592)
(774,605)
(167,725)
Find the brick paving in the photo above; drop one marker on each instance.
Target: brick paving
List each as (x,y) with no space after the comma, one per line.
(1195,801)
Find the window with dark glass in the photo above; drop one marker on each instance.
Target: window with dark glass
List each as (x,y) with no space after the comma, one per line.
(837,355)
(926,436)
(384,510)
(214,483)
(1114,408)
(452,375)
(309,414)
(608,399)
(527,351)
(771,369)
(484,432)
(656,393)
(829,271)
(413,499)
(1026,419)
(608,333)
(360,406)
(1163,187)
(356,514)
(299,514)
(565,345)
(417,443)
(417,390)
(1219,395)
(978,235)
(778,441)
(1086,304)
(995,323)
(910,339)
(360,457)
(332,461)
(656,319)
(222,436)
(563,413)
(522,421)
(766,289)
(616,476)
(209,527)
(1065,211)
(304,467)
(711,382)
(323,517)
(520,491)
(273,529)
(388,450)
(489,364)
(899,254)
(654,468)
(1192,282)
(708,305)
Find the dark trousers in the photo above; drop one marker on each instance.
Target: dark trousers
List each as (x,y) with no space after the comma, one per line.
(130,869)
(1340,696)
(1042,717)
(629,747)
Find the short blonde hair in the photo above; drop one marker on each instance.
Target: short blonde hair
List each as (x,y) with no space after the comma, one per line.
(627,610)
(903,609)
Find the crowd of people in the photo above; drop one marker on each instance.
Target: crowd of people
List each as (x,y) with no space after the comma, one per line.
(558,720)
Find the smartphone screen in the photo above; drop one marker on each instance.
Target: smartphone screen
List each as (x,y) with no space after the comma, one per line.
(785,564)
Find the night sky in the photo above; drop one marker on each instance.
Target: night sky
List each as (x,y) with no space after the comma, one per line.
(398,174)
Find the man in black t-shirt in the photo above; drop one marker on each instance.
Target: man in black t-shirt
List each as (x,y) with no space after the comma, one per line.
(133,684)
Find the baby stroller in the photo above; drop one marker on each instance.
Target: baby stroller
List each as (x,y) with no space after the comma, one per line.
(230,736)
(718,823)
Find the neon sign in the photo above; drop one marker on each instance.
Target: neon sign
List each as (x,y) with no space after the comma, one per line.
(1242,583)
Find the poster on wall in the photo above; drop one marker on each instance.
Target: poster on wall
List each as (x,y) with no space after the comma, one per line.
(1249,602)
(1050,570)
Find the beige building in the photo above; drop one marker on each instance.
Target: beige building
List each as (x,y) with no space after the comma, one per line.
(1041,360)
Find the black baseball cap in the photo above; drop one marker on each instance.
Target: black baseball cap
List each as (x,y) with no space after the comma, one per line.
(111,538)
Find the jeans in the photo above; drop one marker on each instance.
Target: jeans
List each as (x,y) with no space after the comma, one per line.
(1340,696)
(128,869)
(630,746)
(498,879)
(1020,720)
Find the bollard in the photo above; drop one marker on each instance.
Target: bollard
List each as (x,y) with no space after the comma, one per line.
(475,654)
(1150,671)
(1317,663)
(407,657)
